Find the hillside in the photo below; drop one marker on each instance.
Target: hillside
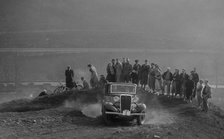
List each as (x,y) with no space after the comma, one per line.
(78,118)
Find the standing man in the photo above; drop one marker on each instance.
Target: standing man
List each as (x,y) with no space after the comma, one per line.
(198,92)
(176,83)
(151,81)
(135,72)
(114,69)
(189,88)
(118,69)
(127,71)
(69,76)
(183,80)
(158,80)
(144,74)
(195,79)
(102,82)
(110,73)
(167,78)
(94,76)
(122,72)
(206,94)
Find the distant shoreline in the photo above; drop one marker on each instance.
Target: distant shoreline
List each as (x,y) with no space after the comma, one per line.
(83,50)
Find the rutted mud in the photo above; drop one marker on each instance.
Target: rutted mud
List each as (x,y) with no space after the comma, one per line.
(79,118)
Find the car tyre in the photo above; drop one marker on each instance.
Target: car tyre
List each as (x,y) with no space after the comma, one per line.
(141,119)
(106,117)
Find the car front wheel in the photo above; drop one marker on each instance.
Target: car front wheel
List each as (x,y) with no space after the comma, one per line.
(141,119)
(106,117)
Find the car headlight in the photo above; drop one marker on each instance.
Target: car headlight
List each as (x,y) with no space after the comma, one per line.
(135,99)
(116,98)
(133,107)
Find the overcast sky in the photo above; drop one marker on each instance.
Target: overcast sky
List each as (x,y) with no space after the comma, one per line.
(195,22)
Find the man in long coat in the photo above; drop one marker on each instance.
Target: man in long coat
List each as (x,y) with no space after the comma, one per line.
(152,79)
(110,73)
(176,83)
(127,69)
(136,72)
(167,78)
(199,92)
(189,88)
(94,80)
(69,76)
(183,79)
(118,68)
(206,94)
(195,79)
(158,79)
(114,69)
(122,72)
(144,74)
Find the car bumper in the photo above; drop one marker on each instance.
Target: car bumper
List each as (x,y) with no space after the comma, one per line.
(125,114)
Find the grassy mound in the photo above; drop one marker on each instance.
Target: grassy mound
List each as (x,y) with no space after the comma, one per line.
(50,101)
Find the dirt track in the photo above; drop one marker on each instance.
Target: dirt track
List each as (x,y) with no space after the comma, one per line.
(167,118)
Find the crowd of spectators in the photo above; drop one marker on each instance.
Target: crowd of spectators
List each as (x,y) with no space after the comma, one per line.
(149,77)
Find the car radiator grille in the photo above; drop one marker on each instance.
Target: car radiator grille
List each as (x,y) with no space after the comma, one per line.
(125,103)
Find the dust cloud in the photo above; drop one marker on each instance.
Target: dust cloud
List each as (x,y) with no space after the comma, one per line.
(93,110)
(156,114)
(76,105)
(158,117)
(89,110)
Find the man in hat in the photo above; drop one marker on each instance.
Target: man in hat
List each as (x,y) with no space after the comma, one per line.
(167,78)
(144,74)
(135,72)
(158,79)
(198,92)
(122,72)
(114,69)
(94,80)
(118,69)
(206,94)
(111,71)
(69,76)
(195,79)
(127,69)
(183,79)
(176,83)
(189,88)
(151,81)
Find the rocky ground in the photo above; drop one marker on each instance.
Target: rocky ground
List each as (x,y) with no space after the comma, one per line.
(78,116)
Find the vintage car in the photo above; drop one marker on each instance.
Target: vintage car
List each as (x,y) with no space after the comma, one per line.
(120,101)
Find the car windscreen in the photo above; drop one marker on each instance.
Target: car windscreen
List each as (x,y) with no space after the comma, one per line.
(128,89)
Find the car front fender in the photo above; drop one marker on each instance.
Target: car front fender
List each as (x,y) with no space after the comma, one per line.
(109,107)
(141,107)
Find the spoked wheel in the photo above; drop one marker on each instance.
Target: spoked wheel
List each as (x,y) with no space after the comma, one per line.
(79,87)
(141,119)
(59,90)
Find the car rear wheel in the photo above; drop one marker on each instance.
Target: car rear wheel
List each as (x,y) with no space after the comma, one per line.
(141,119)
